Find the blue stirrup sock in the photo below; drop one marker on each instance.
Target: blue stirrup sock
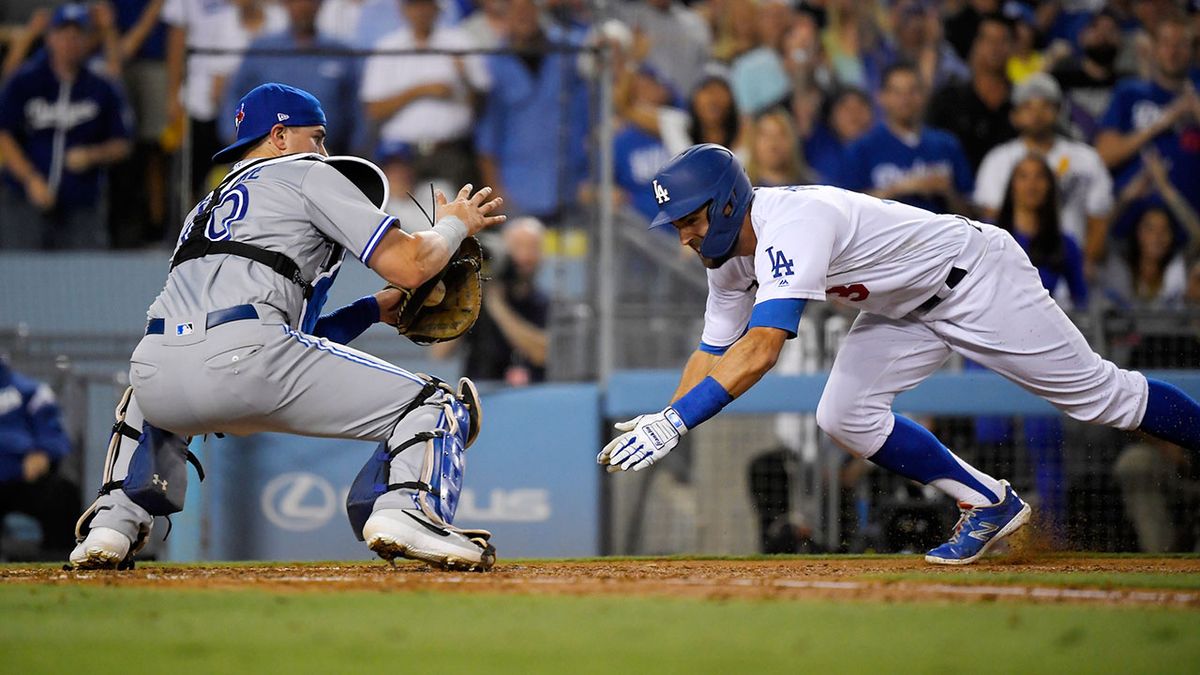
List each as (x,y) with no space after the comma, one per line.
(913,452)
(1172,415)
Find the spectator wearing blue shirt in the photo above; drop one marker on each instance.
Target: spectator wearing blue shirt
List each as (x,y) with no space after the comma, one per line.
(531,138)
(638,153)
(333,80)
(845,118)
(902,159)
(1162,112)
(32,442)
(60,127)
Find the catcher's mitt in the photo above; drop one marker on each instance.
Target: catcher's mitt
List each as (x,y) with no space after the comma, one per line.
(458,309)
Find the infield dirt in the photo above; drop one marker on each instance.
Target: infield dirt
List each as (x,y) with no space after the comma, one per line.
(1054,578)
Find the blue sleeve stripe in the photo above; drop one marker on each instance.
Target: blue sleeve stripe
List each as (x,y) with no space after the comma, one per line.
(713,349)
(782,313)
(380,230)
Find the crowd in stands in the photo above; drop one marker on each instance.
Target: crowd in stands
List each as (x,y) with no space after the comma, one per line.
(1073,123)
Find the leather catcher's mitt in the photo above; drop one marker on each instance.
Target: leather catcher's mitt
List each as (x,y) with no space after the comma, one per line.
(458,309)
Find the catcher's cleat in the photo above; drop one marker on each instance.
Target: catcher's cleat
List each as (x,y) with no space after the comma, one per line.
(401,533)
(979,528)
(103,548)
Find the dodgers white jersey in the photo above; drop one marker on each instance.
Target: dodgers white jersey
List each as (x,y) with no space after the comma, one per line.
(818,242)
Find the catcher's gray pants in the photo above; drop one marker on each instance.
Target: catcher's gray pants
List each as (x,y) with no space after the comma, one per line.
(260,375)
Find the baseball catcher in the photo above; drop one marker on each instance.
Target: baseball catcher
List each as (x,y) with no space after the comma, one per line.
(236,342)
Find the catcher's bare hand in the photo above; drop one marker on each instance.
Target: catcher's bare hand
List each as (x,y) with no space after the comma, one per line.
(474,210)
(389,301)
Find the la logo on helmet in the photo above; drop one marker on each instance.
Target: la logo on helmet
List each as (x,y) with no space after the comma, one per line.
(660,194)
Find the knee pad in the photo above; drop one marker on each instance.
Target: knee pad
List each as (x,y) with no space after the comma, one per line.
(157,477)
(438,479)
(155,471)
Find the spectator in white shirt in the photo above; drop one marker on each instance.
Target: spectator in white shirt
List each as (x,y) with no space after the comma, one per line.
(195,83)
(339,19)
(426,100)
(1084,183)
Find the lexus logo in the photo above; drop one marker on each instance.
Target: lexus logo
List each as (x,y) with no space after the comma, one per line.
(299,501)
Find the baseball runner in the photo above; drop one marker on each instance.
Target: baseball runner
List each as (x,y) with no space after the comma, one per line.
(236,342)
(926,285)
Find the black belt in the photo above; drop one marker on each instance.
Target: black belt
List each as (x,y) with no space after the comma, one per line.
(215,318)
(956,275)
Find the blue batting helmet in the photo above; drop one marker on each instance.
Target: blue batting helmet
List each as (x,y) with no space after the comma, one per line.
(705,175)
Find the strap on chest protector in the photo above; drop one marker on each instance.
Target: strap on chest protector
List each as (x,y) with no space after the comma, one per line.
(197,245)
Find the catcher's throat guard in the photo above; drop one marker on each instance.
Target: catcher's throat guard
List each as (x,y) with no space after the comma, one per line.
(365,175)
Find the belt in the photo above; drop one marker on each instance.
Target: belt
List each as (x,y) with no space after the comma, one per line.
(214,319)
(956,275)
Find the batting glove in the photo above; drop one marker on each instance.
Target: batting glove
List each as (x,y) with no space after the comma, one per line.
(647,439)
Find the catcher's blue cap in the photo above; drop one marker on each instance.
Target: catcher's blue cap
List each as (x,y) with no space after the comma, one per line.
(706,175)
(265,106)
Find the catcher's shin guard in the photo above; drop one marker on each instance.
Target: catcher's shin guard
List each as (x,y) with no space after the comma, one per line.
(116,512)
(145,475)
(428,466)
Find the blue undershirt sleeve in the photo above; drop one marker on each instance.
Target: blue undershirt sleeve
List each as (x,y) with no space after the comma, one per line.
(344,324)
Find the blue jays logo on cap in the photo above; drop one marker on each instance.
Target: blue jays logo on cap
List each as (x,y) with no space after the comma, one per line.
(265,106)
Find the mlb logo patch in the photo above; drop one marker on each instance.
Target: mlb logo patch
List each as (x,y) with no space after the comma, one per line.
(182,329)
(237,119)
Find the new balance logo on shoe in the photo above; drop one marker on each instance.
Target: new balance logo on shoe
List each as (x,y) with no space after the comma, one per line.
(985,531)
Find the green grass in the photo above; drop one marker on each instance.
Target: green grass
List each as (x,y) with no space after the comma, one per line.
(57,629)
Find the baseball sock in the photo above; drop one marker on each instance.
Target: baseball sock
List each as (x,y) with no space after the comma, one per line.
(916,454)
(1172,415)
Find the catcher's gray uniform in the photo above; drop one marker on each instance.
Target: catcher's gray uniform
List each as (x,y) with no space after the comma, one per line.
(268,373)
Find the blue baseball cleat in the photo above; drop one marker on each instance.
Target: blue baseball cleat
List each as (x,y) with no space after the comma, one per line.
(979,527)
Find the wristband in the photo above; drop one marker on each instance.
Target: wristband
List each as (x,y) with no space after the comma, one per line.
(702,402)
(453,230)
